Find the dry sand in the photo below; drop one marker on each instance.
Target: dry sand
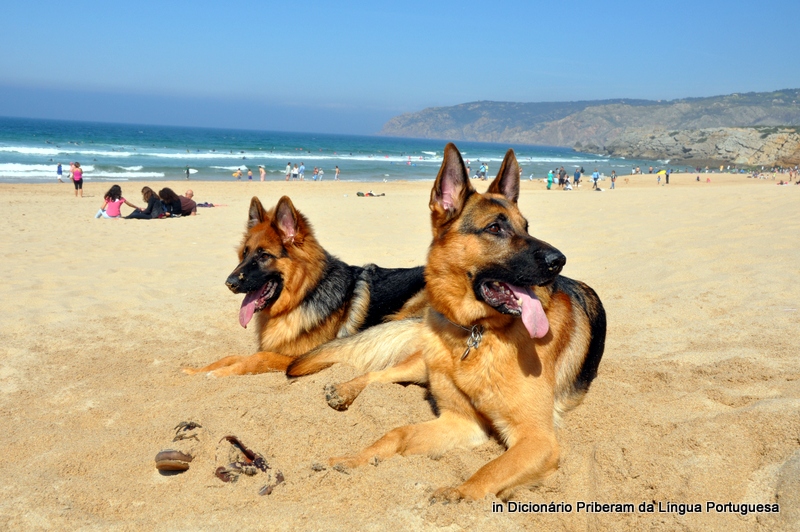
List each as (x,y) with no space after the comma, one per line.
(697,398)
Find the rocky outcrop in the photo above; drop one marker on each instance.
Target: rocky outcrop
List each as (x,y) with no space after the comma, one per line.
(739,146)
(619,125)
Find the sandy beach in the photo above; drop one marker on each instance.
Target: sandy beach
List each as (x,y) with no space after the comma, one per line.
(697,398)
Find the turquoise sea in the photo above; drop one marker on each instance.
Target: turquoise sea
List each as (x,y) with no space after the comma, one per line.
(31,149)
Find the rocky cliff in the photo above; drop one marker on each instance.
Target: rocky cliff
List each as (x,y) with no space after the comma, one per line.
(740,146)
(636,128)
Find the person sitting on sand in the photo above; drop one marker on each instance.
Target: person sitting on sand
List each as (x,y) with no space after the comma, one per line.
(188,205)
(154,209)
(113,200)
(171,201)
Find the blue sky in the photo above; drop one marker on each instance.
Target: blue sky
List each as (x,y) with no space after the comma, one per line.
(347,67)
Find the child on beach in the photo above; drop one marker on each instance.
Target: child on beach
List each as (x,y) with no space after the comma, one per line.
(113,200)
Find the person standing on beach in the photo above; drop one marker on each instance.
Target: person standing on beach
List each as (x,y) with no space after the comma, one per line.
(59,173)
(187,172)
(294,172)
(576,177)
(550,179)
(613,178)
(595,178)
(77,178)
(666,177)
(301,172)
(320,173)
(262,172)
(288,170)
(336,174)
(249,175)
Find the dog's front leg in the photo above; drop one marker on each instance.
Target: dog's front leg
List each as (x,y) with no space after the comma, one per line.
(433,437)
(412,369)
(532,458)
(261,362)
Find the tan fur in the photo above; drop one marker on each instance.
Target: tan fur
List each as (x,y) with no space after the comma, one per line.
(510,385)
(375,349)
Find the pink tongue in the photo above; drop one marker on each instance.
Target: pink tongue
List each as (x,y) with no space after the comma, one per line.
(248,308)
(533,316)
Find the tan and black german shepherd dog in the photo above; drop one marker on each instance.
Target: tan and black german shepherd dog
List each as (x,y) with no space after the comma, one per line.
(506,344)
(301,296)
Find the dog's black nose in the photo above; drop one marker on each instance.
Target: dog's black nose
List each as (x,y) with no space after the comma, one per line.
(555,260)
(232,283)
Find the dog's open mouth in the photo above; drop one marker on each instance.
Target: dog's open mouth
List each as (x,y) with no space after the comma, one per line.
(256,301)
(510,299)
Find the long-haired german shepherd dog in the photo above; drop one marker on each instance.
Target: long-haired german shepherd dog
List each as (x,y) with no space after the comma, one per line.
(506,344)
(301,296)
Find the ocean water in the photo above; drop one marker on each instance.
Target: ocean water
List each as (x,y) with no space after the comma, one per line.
(31,149)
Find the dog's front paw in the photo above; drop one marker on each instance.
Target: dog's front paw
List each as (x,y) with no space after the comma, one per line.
(446,496)
(335,401)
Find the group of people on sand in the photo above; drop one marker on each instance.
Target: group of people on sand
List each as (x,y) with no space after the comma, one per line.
(298,173)
(480,173)
(560,176)
(164,204)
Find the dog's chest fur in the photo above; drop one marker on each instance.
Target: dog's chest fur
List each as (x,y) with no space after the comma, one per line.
(503,378)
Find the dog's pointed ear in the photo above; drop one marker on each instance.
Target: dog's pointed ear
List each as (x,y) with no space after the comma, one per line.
(257,213)
(287,221)
(452,187)
(507,180)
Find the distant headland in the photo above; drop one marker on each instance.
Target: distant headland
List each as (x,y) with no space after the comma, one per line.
(746,129)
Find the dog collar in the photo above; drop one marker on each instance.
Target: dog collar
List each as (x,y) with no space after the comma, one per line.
(474,338)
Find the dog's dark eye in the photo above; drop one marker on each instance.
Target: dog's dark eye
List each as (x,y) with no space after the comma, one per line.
(494,229)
